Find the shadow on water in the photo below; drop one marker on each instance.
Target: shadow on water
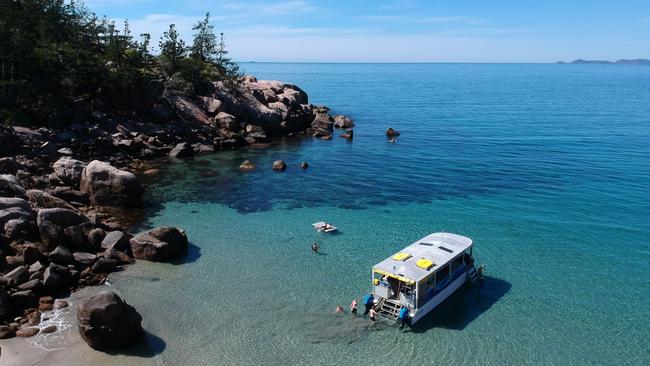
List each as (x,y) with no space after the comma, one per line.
(464,306)
(151,346)
(193,254)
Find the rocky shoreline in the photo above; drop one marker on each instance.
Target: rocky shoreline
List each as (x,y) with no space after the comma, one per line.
(67,197)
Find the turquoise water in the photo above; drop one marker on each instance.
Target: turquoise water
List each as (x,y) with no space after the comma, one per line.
(546,167)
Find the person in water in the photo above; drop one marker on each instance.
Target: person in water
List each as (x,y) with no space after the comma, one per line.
(404,317)
(315,247)
(339,309)
(353,306)
(373,314)
(369,302)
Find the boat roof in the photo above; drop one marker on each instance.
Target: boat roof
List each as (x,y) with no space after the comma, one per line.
(439,248)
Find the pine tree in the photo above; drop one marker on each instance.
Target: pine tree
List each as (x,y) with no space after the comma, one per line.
(228,69)
(172,49)
(204,44)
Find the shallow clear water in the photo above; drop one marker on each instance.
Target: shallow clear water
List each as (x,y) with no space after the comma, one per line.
(546,167)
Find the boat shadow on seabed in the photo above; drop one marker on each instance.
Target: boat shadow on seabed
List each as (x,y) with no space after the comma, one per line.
(460,309)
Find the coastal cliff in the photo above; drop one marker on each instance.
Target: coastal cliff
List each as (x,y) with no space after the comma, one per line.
(67,196)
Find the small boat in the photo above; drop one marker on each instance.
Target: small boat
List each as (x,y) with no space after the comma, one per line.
(422,275)
(323,226)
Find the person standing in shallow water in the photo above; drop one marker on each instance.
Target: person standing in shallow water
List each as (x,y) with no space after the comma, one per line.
(373,314)
(353,306)
(404,317)
(369,302)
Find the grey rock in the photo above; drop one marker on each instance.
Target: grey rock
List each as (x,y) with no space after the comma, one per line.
(68,170)
(17,276)
(84,258)
(61,255)
(116,240)
(159,244)
(109,186)
(182,150)
(106,321)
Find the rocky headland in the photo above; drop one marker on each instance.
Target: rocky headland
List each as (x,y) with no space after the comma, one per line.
(68,197)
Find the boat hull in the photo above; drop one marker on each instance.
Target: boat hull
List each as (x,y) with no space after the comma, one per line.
(436,300)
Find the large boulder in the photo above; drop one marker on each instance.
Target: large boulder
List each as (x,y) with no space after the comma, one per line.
(68,170)
(109,186)
(10,186)
(117,240)
(53,221)
(159,244)
(106,321)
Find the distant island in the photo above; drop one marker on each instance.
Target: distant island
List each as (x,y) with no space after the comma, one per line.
(638,61)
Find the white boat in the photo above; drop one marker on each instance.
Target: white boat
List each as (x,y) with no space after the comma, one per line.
(422,275)
(323,226)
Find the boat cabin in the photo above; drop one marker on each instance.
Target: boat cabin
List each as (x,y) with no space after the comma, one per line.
(423,274)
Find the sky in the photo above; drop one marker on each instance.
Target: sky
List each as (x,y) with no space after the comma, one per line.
(403,30)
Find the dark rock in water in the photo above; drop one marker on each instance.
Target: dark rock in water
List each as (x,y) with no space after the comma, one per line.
(5,305)
(103,265)
(68,170)
(109,186)
(116,240)
(61,255)
(391,133)
(182,150)
(304,165)
(159,244)
(106,321)
(27,332)
(279,165)
(84,258)
(247,165)
(49,329)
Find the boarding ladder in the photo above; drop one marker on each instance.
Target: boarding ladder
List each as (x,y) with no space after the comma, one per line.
(388,309)
(473,275)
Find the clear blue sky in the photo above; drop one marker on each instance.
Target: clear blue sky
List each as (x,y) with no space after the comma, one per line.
(405,30)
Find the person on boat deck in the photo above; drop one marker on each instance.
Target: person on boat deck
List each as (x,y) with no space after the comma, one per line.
(404,317)
(373,314)
(315,247)
(369,302)
(328,226)
(353,306)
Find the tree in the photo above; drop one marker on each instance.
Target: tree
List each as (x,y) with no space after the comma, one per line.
(172,50)
(227,68)
(204,45)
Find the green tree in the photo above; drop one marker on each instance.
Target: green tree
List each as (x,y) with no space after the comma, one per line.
(204,44)
(172,50)
(227,68)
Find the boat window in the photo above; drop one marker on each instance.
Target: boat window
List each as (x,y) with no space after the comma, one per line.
(456,263)
(446,249)
(426,244)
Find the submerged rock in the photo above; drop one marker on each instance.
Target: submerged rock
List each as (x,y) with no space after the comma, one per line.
(159,244)
(106,321)
(247,165)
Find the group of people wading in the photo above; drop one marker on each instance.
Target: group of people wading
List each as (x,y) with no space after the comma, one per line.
(371,310)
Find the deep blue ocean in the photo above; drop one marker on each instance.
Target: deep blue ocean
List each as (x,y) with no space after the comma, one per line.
(545,167)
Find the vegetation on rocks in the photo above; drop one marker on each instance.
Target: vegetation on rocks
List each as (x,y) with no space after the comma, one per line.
(59,62)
